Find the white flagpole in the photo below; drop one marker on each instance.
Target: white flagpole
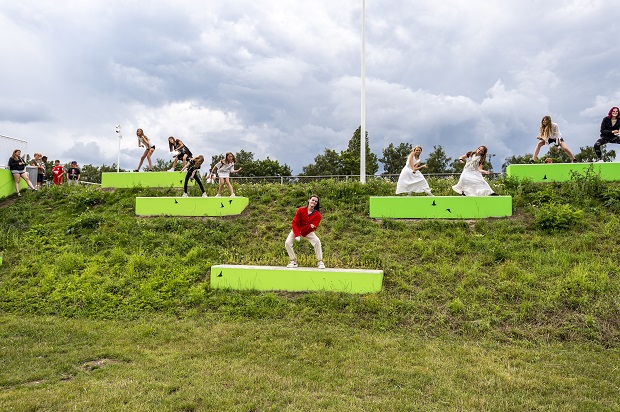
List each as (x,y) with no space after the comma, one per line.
(120,136)
(363,100)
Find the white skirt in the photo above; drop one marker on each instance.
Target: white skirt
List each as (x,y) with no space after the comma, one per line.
(409,182)
(472,184)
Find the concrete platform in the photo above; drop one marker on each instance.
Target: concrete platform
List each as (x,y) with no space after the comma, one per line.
(440,207)
(190,206)
(264,278)
(562,172)
(144,179)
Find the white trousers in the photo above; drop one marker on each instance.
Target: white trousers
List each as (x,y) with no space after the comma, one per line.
(312,238)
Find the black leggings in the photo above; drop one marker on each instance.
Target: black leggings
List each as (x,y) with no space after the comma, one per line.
(196,178)
(603,141)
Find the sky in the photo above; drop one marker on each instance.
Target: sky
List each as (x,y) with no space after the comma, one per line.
(282,78)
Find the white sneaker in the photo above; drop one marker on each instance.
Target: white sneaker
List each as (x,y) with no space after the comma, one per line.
(232,195)
(293,264)
(171,170)
(321,265)
(218,195)
(204,195)
(184,195)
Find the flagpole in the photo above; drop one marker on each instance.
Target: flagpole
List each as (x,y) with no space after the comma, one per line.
(120,136)
(363,100)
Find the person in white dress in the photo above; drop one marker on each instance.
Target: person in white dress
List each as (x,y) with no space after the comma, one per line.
(471,182)
(550,133)
(411,179)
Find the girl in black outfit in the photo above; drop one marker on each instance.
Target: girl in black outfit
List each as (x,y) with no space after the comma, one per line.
(609,132)
(17,165)
(183,153)
(193,165)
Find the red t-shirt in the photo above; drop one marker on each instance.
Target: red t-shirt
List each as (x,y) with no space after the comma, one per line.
(58,171)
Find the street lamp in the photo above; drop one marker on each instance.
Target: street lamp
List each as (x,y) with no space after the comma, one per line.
(120,136)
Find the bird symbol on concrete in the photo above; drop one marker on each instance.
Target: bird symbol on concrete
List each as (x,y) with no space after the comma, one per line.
(545,178)
(221,204)
(449,211)
(220,275)
(175,201)
(230,202)
(434,204)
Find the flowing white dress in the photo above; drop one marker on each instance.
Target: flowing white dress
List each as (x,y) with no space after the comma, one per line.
(471,181)
(410,181)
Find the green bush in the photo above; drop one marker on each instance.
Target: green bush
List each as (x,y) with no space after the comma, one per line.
(556,217)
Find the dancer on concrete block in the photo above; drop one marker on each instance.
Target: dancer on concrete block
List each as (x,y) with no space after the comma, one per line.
(609,132)
(193,166)
(550,134)
(305,222)
(471,182)
(411,179)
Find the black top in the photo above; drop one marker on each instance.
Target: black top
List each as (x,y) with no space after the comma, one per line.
(18,164)
(606,127)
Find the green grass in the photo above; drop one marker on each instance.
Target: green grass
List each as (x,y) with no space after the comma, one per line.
(103,310)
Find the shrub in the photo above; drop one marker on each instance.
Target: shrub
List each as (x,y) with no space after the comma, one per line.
(555,217)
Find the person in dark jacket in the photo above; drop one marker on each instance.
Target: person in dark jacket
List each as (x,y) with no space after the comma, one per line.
(17,165)
(609,132)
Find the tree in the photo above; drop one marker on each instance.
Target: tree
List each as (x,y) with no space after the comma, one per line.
(438,162)
(395,157)
(253,168)
(90,173)
(514,160)
(346,162)
(328,163)
(587,154)
(351,156)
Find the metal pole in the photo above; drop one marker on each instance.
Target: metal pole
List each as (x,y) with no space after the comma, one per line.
(120,136)
(363,100)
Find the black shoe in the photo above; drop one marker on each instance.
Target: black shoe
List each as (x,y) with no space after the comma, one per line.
(531,161)
(136,170)
(494,194)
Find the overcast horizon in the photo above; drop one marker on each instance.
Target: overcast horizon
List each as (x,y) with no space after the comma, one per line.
(281,79)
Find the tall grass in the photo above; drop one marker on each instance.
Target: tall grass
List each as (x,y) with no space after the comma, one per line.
(548,273)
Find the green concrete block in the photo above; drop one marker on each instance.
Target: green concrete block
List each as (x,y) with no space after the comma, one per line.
(562,172)
(190,206)
(7,183)
(440,207)
(264,278)
(144,179)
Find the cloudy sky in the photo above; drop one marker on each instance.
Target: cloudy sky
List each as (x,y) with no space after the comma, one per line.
(281,78)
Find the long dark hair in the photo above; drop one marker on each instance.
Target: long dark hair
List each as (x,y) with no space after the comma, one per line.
(318,202)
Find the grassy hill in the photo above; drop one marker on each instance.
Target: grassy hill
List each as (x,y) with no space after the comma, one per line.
(78,258)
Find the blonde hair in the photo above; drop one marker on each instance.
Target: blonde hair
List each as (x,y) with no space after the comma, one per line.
(198,160)
(546,130)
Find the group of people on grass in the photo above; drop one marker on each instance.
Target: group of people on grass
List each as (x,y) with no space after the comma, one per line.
(17,166)
(190,164)
(471,182)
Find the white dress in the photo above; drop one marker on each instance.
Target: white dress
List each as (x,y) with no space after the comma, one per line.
(410,181)
(471,181)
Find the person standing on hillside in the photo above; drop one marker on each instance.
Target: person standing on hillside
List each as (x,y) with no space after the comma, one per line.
(411,179)
(471,182)
(38,162)
(550,133)
(17,166)
(144,141)
(58,172)
(73,174)
(609,132)
(305,222)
